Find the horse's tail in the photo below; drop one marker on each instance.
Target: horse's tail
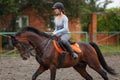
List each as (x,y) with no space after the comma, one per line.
(101,59)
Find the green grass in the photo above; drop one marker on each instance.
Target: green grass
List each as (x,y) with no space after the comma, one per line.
(106,49)
(9,55)
(110,49)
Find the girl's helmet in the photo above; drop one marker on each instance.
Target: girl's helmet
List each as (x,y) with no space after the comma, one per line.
(58,5)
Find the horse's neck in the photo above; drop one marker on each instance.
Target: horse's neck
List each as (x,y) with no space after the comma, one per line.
(39,42)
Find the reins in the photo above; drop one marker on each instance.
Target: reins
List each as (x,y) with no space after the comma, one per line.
(27,51)
(44,43)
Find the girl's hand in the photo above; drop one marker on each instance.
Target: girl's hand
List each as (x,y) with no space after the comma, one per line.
(55,35)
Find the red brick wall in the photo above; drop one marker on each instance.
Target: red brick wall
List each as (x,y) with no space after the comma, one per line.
(38,22)
(35,19)
(107,39)
(75,26)
(5,20)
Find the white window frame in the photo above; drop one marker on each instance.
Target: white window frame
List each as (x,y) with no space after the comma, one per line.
(20,21)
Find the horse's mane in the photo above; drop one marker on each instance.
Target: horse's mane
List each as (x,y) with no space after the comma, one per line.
(34,30)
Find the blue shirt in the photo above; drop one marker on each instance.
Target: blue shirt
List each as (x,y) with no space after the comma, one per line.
(61,25)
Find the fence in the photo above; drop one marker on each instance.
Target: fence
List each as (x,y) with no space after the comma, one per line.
(108,42)
(5,48)
(4,42)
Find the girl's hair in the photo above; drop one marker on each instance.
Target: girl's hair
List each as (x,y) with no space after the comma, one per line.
(63,11)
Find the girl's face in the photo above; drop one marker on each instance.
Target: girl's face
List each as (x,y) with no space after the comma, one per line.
(57,11)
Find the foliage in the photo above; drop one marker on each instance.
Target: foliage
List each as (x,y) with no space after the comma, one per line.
(109,22)
(15,7)
(73,8)
(110,49)
(7,7)
(89,7)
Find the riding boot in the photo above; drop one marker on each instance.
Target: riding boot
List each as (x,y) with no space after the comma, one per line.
(70,50)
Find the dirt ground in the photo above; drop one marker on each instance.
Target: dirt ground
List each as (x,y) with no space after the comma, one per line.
(17,69)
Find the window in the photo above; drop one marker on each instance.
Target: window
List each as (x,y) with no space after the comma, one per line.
(22,21)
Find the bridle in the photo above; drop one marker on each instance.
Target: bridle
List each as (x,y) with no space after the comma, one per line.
(29,50)
(22,45)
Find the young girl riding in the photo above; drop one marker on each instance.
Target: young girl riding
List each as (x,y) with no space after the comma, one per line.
(61,27)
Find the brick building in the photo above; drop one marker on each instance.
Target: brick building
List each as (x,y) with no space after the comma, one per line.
(32,17)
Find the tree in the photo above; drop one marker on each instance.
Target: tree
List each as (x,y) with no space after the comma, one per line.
(92,6)
(73,8)
(15,8)
(109,21)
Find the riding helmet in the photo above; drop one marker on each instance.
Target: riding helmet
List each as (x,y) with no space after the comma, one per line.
(58,5)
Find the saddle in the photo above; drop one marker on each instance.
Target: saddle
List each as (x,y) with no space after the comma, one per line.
(60,49)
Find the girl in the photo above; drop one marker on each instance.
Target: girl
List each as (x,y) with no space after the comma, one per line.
(61,27)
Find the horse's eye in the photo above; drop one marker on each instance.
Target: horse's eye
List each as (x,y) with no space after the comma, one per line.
(18,46)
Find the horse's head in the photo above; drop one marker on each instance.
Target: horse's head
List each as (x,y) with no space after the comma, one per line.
(23,45)
(27,40)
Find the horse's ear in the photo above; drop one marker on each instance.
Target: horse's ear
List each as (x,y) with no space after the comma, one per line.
(11,37)
(12,40)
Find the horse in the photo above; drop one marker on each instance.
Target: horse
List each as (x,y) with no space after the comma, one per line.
(29,38)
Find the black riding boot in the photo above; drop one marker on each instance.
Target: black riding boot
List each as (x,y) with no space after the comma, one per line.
(70,50)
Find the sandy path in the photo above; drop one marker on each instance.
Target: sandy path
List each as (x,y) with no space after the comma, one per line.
(17,69)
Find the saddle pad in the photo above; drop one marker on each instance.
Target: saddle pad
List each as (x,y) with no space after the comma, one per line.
(75,47)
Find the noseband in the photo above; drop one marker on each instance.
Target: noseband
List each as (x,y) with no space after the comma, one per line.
(22,45)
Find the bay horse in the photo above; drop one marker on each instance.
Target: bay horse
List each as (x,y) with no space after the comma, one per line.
(29,38)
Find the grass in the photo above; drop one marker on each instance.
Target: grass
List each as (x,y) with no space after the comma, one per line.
(110,49)
(106,49)
(9,55)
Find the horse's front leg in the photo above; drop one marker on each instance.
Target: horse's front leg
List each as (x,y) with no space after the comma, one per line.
(40,70)
(52,72)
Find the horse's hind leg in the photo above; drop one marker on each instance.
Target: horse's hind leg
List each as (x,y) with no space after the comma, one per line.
(40,70)
(94,64)
(81,68)
(98,69)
